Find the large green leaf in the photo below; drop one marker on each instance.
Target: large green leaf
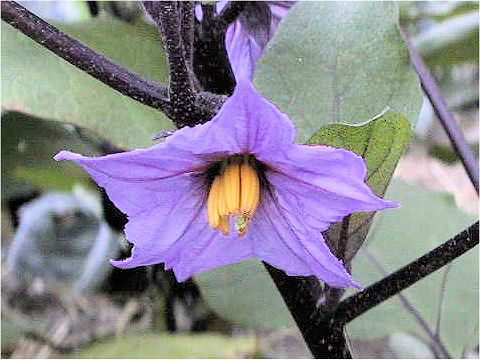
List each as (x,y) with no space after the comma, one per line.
(425,220)
(380,142)
(36,81)
(28,146)
(334,62)
(244,294)
(450,42)
(164,346)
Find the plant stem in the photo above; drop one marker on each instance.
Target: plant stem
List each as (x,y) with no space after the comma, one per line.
(446,118)
(301,294)
(230,12)
(324,332)
(437,346)
(408,275)
(124,81)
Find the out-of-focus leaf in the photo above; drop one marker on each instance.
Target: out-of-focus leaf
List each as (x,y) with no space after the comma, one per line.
(338,62)
(245,294)
(442,10)
(381,142)
(28,146)
(36,81)
(450,42)
(425,220)
(164,346)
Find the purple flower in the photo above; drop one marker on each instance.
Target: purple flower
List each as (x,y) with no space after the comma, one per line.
(232,189)
(247,37)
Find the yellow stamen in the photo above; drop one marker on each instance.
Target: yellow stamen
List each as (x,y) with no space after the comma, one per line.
(212,203)
(250,192)
(232,188)
(225,225)
(234,192)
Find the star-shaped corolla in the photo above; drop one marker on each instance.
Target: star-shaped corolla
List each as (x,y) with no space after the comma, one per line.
(232,189)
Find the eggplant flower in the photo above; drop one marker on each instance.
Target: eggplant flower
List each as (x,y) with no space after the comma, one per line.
(232,189)
(247,37)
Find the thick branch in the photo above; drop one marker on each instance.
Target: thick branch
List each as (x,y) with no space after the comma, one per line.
(126,82)
(363,301)
(446,118)
(437,346)
(301,295)
(188,107)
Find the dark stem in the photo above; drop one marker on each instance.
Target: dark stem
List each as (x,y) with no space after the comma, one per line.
(187,27)
(180,84)
(436,344)
(301,295)
(125,81)
(447,120)
(210,61)
(324,332)
(188,107)
(231,12)
(363,301)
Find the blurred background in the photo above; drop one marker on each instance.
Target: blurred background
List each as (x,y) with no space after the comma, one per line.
(62,298)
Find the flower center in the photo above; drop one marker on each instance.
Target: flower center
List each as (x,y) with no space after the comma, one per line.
(235,191)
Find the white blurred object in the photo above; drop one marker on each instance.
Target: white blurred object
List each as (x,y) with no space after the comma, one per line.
(62,10)
(406,346)
(425,118)
(62,239)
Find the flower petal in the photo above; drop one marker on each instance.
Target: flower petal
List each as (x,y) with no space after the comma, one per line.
(283,241)
(323,183)
(243,51)
(246,123)
(134,180)
(145,185)
(201,248)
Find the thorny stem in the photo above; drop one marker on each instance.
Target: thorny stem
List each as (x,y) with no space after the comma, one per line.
(437,346)
(167,16)
(401,279)
(446,118)
(301,295)
(324,333)
(125,81)
(187,28)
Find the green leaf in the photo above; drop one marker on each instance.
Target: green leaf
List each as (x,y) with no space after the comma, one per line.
(450,42)
(37,81)
(28,146)
(164,346)
(245,295)
(334,61)
(425,220)
(380,142)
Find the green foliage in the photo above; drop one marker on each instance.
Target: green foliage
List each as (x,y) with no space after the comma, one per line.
(425,220)
(381,142)
(164,346)
(450,42)
(28,146)
(36,81)
(334,62)
(244,294)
